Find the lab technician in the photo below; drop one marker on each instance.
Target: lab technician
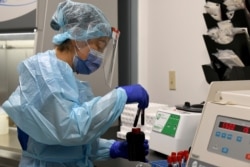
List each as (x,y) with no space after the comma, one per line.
(58,118)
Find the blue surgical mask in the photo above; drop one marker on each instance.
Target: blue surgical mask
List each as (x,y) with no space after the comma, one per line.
(90,65)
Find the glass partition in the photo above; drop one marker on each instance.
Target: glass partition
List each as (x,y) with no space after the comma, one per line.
(14,48)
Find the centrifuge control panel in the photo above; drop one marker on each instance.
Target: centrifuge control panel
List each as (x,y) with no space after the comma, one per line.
(231,138)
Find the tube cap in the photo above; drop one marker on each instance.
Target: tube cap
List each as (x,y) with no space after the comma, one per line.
(136,130)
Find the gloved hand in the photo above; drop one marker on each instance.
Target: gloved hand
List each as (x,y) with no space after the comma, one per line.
(119,149)
(136,93)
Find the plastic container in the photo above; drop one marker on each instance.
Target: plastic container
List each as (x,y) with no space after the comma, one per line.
(4,122)
(161,163)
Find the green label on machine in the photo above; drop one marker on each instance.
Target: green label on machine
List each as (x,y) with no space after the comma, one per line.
(166,123)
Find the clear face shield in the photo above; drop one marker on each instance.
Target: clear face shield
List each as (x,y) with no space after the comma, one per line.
(106,47)
(110,58)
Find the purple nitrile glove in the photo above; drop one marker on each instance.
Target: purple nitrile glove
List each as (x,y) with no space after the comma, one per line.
(136,93)
(119,149)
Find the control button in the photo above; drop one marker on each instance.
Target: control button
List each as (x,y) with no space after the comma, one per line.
(223,135)
(224,150)
(217,134)
(239,138)
(229,136)
(248,156)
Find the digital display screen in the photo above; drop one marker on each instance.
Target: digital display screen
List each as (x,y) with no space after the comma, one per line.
(234,127)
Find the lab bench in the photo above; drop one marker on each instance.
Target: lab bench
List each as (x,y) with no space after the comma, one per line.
(119,162)
(10,151)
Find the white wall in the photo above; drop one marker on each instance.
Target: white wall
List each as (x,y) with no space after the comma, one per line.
(170,38)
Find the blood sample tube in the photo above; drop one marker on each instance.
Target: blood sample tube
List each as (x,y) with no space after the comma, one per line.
(170,161)
(180,157)
(173,153)
(175,162)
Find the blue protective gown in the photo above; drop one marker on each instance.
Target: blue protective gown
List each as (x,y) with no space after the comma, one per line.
(59,120)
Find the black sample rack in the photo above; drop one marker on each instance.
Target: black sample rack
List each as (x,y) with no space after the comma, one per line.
(240,45)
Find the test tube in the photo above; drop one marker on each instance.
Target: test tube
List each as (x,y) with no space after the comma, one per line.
(170,161)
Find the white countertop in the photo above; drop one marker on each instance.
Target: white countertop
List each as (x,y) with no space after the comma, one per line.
(9,142)
(9,145)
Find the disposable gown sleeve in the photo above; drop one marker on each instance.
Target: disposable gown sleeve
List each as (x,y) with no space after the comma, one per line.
(82,125)
(49,110)
(101,149)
